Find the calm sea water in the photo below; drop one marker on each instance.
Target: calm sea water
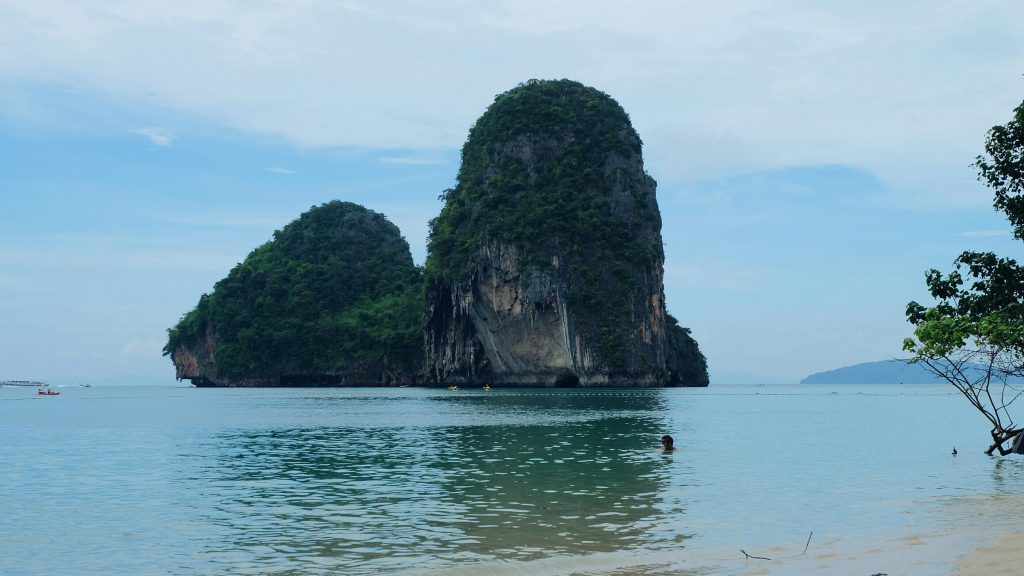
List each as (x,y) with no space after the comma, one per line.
(176,480)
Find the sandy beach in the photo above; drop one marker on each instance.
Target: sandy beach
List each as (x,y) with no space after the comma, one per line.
(917,555)
(912,555)
(971,536)
(1004,558)
(938,554)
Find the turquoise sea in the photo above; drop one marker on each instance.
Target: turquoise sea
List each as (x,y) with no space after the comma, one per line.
(179,480)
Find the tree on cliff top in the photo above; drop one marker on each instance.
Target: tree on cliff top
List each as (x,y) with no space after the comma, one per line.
(979,317)
(334,293)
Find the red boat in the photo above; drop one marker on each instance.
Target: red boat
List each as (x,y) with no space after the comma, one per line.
(47,392)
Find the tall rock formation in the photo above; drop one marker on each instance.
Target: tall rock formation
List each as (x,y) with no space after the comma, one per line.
(545,266)
(333,300)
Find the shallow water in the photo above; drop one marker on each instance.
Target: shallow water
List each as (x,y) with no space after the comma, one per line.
(176,480)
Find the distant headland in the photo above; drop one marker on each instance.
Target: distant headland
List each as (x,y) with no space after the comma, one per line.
(882,372)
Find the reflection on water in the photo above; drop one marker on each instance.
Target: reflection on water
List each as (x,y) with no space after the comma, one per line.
(1007,474)
(485,477)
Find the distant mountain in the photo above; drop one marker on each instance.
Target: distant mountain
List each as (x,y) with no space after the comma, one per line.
(884,372)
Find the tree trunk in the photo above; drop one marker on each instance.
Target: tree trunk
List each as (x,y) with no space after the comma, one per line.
(1000,437)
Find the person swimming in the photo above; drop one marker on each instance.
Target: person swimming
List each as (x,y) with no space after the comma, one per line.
(667,444)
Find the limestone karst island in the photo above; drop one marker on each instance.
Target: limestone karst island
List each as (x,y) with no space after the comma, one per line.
(544,268)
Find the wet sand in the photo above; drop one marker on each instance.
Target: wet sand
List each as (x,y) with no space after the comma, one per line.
(913,554)
(936,554)
(979,553)
(970,536)
(1004,558)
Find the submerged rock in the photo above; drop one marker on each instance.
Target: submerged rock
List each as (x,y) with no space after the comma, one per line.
(333,300)
(545,266)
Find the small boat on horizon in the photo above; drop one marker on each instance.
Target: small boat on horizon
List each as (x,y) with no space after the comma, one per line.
(45,391)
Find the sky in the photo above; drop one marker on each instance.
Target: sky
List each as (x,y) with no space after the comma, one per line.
(813,158)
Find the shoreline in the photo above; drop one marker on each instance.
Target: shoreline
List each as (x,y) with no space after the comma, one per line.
(947,553)
(966,536)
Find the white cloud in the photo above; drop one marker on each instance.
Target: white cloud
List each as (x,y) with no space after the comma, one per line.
(904,89)
(678,152)
(279,170)
(158,136)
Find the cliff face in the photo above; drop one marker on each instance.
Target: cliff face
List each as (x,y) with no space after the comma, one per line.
(333,300)
(512,325)
(545,266)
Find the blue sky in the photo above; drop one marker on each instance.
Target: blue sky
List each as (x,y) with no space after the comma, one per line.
(813,158)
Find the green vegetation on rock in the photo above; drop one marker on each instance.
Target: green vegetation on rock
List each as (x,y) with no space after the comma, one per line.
(532,171)
(544,267)
(554,169)
(334,294)
(686,364)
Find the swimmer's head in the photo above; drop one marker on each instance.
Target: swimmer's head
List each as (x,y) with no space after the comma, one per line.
(666,441)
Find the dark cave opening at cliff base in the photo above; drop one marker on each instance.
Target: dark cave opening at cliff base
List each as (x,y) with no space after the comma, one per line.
(567,381)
